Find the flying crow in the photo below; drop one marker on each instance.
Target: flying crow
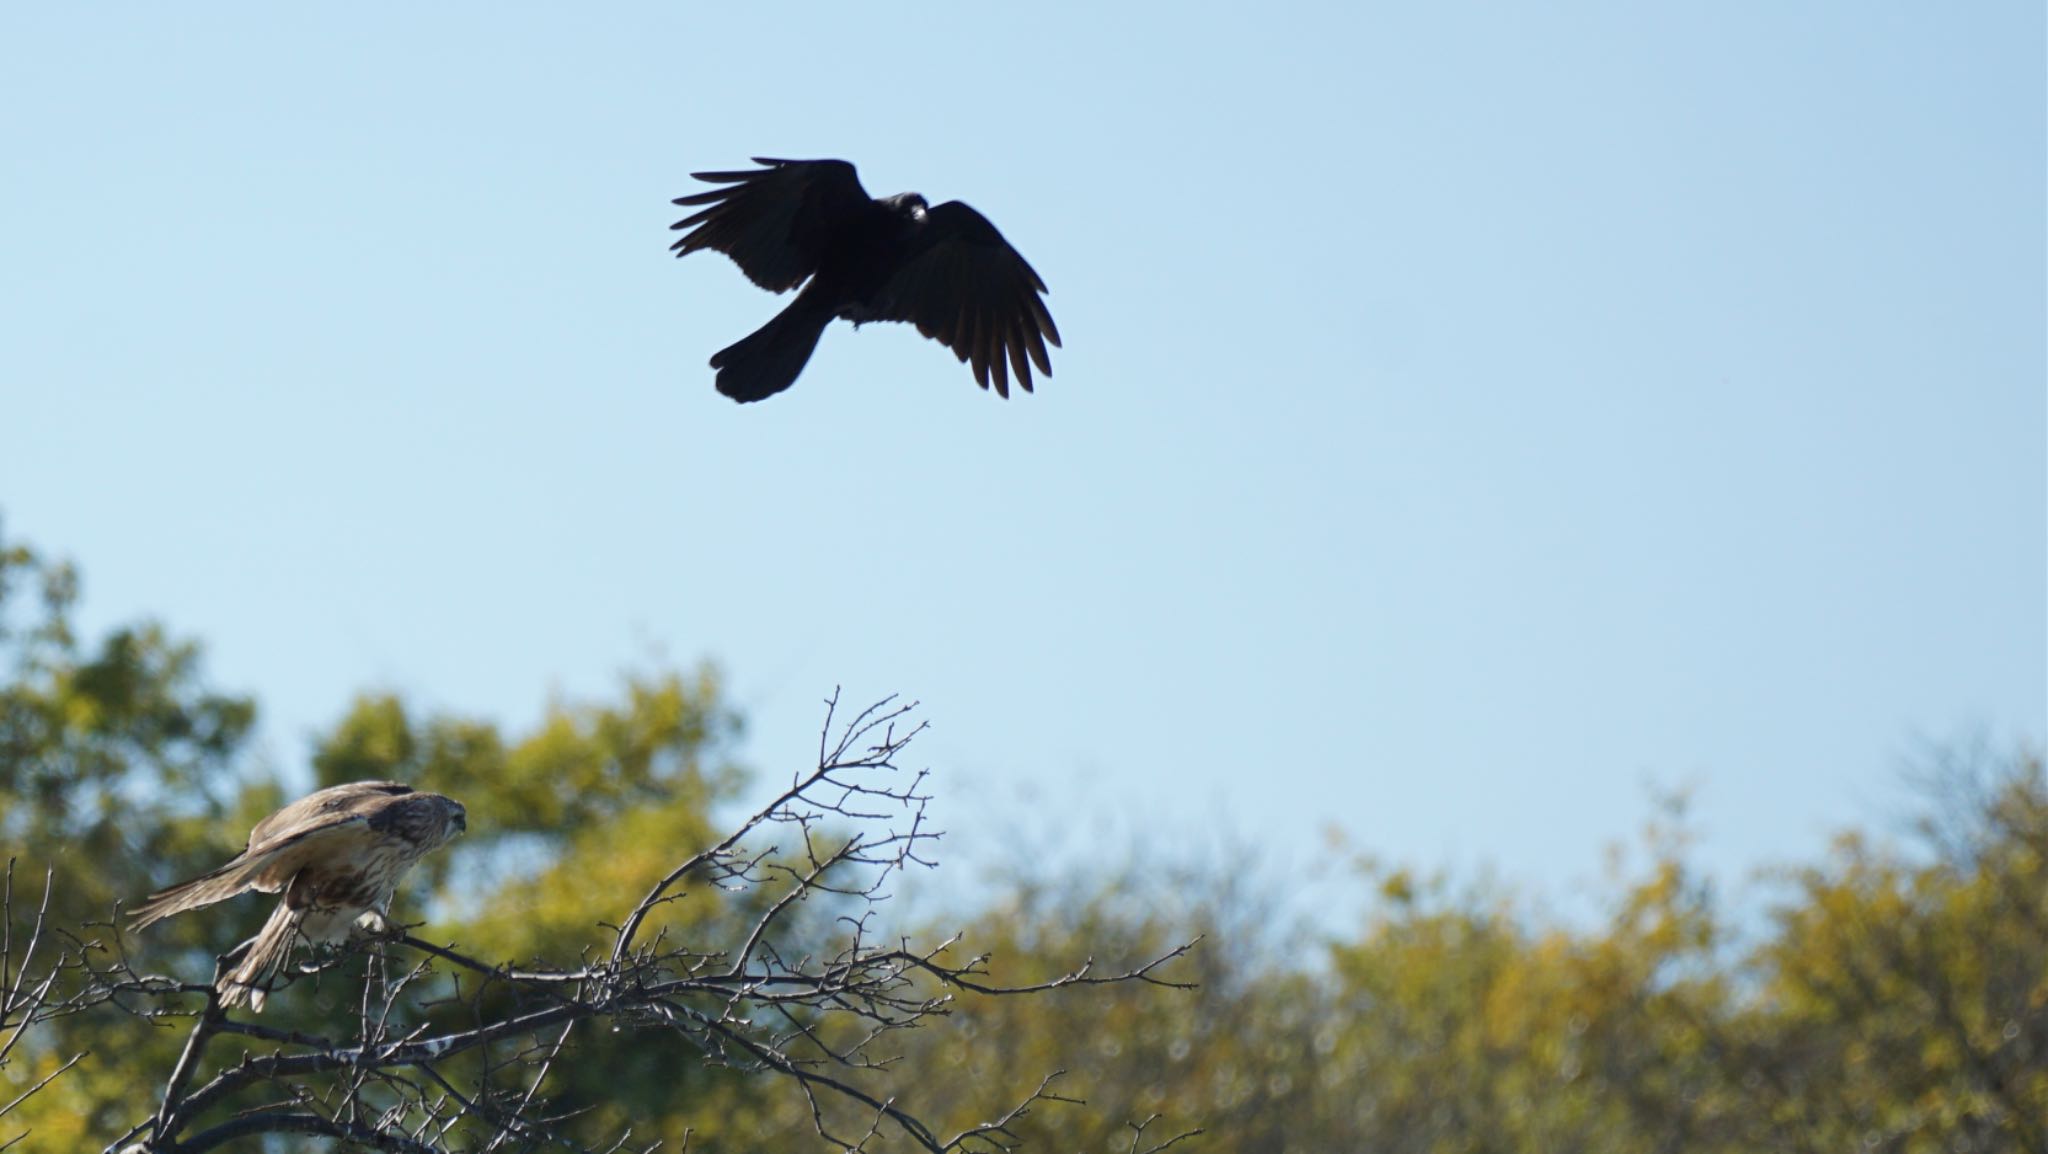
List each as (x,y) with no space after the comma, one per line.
(943,268)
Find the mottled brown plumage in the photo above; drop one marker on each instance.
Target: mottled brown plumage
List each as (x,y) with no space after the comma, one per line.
(337,857)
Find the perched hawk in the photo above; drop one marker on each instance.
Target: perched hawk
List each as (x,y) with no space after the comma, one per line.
(336,856)
(943,268)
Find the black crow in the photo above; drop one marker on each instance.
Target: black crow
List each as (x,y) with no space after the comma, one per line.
(944,269)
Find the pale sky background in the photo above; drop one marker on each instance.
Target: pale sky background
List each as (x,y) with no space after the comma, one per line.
(1469,413)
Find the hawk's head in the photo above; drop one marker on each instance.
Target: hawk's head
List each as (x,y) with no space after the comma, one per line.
(427,820)
(453,818)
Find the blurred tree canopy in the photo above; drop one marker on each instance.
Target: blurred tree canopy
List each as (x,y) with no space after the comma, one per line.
(1894,999)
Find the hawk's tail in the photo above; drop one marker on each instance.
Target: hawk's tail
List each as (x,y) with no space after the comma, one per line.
(265,955)
(767,360)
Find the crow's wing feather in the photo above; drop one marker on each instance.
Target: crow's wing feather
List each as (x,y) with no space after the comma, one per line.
(965,287)
(772,221)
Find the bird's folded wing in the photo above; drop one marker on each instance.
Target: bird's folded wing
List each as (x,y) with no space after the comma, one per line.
(267,867)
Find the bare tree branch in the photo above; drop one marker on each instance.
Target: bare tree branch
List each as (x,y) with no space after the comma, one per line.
(26,1000)
(452,1051)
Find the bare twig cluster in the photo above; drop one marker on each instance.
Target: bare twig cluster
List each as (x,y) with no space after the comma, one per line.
(29,973)
(449,1051)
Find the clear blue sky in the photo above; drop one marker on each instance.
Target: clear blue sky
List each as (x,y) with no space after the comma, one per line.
(1468,414)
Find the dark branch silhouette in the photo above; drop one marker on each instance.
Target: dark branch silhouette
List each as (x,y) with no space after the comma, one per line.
(450,1051)
(27,994)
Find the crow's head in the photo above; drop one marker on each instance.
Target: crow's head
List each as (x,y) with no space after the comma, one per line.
(909,205)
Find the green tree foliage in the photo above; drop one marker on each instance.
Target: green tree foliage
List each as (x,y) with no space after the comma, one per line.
(1907,997)
(1897,1000)
(121,772)
(1894,999)
(127,774)
(118,770)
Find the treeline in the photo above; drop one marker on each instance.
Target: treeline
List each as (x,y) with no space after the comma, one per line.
(1895,999)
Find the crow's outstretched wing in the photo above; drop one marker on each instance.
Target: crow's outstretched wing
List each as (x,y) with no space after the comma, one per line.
(772,221)
(965,287)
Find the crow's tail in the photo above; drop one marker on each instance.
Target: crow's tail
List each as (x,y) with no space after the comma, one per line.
(767,360)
